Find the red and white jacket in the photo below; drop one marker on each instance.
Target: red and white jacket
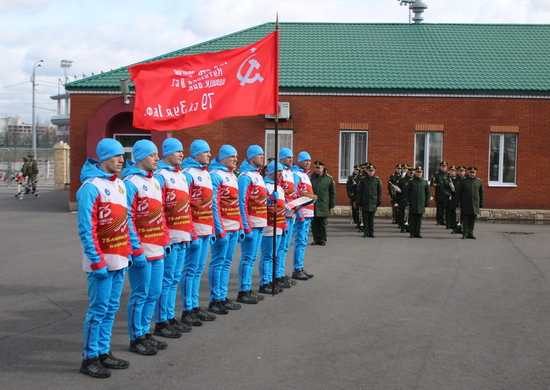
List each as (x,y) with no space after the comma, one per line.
(201,197)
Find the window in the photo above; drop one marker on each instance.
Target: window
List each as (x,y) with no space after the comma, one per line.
(128,141)
(502,159)
(428,151)
(285,141)
(353,151)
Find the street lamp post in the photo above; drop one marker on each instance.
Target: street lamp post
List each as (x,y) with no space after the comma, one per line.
(33,81)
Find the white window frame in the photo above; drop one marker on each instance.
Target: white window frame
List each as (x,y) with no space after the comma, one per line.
(343,176)
(427,171)
(271,132)
(500,182)
(128,149)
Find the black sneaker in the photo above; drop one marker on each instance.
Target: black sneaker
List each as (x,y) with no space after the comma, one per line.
(190,318)
(245,297)
(289,280)
(164,329)
(107,360)
(184,328)
(268,289)
(142,346)
(94,368)
(156,343)
(311,275)
(254,295)
(299,274)
(282,283)
(230,305)
(217,307)
(202,315)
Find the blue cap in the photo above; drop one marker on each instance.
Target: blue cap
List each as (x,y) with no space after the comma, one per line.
(253,151)
(271,167)
(303,156)
(107,148)
(227,151)
(285,152)
(199,146)
(142,149)
(171,145)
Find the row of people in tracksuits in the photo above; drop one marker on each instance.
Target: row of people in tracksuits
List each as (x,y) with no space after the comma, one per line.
(159,223)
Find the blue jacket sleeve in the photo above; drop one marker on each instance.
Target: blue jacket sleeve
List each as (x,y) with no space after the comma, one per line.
(87,198)
(131,198)
(244,182)
(218,226)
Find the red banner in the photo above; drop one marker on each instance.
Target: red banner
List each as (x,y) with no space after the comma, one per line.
(199,89)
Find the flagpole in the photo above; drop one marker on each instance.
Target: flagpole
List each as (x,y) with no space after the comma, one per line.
(273,279)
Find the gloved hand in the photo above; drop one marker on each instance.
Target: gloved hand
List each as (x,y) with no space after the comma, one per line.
(100,273)
(274,196)
(130,260)
(167,249)
(140,261)
(213,238)
(249,236)
(221,240)
(195,244)
(240,235)
(285,232)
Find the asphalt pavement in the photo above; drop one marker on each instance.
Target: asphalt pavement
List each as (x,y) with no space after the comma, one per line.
(381,313)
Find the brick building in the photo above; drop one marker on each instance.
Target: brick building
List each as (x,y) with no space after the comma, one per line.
(468,94)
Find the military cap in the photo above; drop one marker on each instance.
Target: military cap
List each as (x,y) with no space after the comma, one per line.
(452,168)
(461,168)
(371,167)
(399,166)
(419,169)
(443,163)
(410,168)
(404,165)
(30,155)
(319,164)
(472,169)
(356,166)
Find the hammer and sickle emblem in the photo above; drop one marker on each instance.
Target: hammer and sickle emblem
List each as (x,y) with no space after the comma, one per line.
(253,64)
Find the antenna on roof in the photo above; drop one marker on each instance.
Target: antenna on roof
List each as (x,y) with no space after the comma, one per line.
(417,7)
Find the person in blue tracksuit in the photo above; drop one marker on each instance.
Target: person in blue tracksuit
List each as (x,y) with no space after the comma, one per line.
(178,221)
(228,228)
(253,205)
(103,229)
(200,189)
(148,229)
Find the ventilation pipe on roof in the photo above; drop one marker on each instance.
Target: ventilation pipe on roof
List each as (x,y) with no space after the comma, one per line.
(417,7)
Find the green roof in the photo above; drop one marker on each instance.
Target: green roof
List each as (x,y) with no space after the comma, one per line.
(389,58)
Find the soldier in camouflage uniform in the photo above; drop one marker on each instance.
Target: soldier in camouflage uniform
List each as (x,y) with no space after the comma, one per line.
(418,197)
(470,196)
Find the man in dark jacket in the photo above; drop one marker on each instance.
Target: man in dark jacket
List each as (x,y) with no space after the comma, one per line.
(351,187)
(369,197)
(438,182)
(418,195)
(323,187)
(470,196)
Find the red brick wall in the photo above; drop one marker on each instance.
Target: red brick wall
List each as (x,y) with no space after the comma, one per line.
(391,125)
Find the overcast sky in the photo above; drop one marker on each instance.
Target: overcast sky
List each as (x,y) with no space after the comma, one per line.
(100,35)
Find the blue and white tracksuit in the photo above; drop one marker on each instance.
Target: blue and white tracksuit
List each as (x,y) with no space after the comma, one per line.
(288,182)
(303,218)
(103,229)
(227,223)
(148,228)
(177,211)
(201,199)
(266,258)
(253,205)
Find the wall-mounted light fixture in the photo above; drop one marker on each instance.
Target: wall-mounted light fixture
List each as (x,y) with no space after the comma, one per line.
(125,89)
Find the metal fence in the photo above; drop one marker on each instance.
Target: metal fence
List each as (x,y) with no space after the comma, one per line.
(11,161)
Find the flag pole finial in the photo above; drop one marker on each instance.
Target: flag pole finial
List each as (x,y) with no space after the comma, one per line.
(277,22)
